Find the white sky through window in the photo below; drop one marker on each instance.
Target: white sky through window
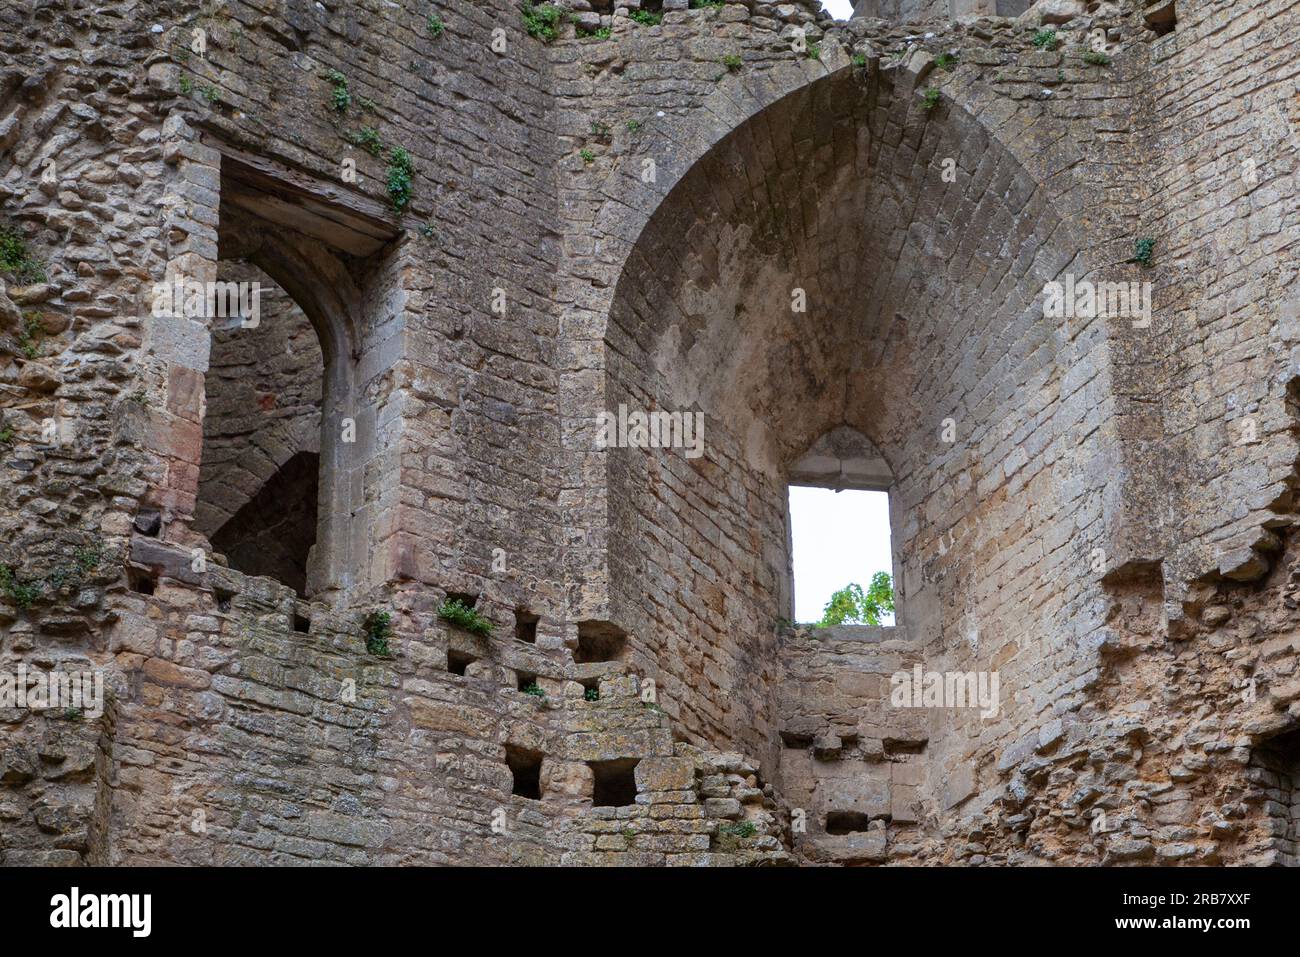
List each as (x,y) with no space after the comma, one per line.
(839,538)
(839,9)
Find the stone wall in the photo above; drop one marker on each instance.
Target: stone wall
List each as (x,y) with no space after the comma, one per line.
(748,212)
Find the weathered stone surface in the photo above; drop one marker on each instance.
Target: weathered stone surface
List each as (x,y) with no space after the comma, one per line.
(249,528)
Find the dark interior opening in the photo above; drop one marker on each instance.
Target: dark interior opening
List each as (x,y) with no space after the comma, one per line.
(224,598)
(1161,17)
(526,626)
(796,741)
(141,581)
(615,782)
(599,641)
(301,624)
(846,822)
(525,679)
(272,534)
(464,597)
(458,661)
(526,771)
(1274,775)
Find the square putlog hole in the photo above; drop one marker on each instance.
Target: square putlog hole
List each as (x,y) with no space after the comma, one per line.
(1161,17)
(525,771)
(615,784)
(847,822)
(458,661)
(526,626)
(599,641)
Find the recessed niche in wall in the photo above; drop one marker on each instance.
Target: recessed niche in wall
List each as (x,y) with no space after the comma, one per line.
(524,679)
(141,582)
(796,742)
(526,626)
(1275,770)
(615,782)
(458,661)
(846,822)
(526,772)
(599,641)
(1161,16)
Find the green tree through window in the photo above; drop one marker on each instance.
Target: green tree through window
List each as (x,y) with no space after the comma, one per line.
(852,606)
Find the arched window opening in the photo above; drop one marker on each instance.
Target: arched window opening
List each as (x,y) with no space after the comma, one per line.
(841,562)
(259,473)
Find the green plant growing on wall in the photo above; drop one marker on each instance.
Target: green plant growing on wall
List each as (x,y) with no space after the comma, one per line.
(706,4)
(20,593)
(587,155)
(187,85)
(6,435)
(534,690)
(852,606)
(731,833)
(646,18)
(1143,251)
(945,61)
(859,60)
(462,616)
(378,628)
(368,139)
(88,557)
(210,93)
(738,828)
(814,51)
(400,172)
(633,126)
(931,98)
(340,96)
(427,230)
(599,129)
(29,337)
(591,694)
(542,21)
(15,260)
(1046,40)
(733,62)
(435,25)
(1096,58)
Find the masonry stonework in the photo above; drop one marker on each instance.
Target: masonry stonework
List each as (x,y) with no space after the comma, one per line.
(827,241)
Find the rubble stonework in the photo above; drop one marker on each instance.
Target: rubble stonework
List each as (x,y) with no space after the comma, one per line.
(813,235)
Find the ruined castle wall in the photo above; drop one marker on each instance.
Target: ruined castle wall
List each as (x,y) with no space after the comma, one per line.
(536,277)
(852,764)
(261,730)
(1035,466)
(1225,143)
